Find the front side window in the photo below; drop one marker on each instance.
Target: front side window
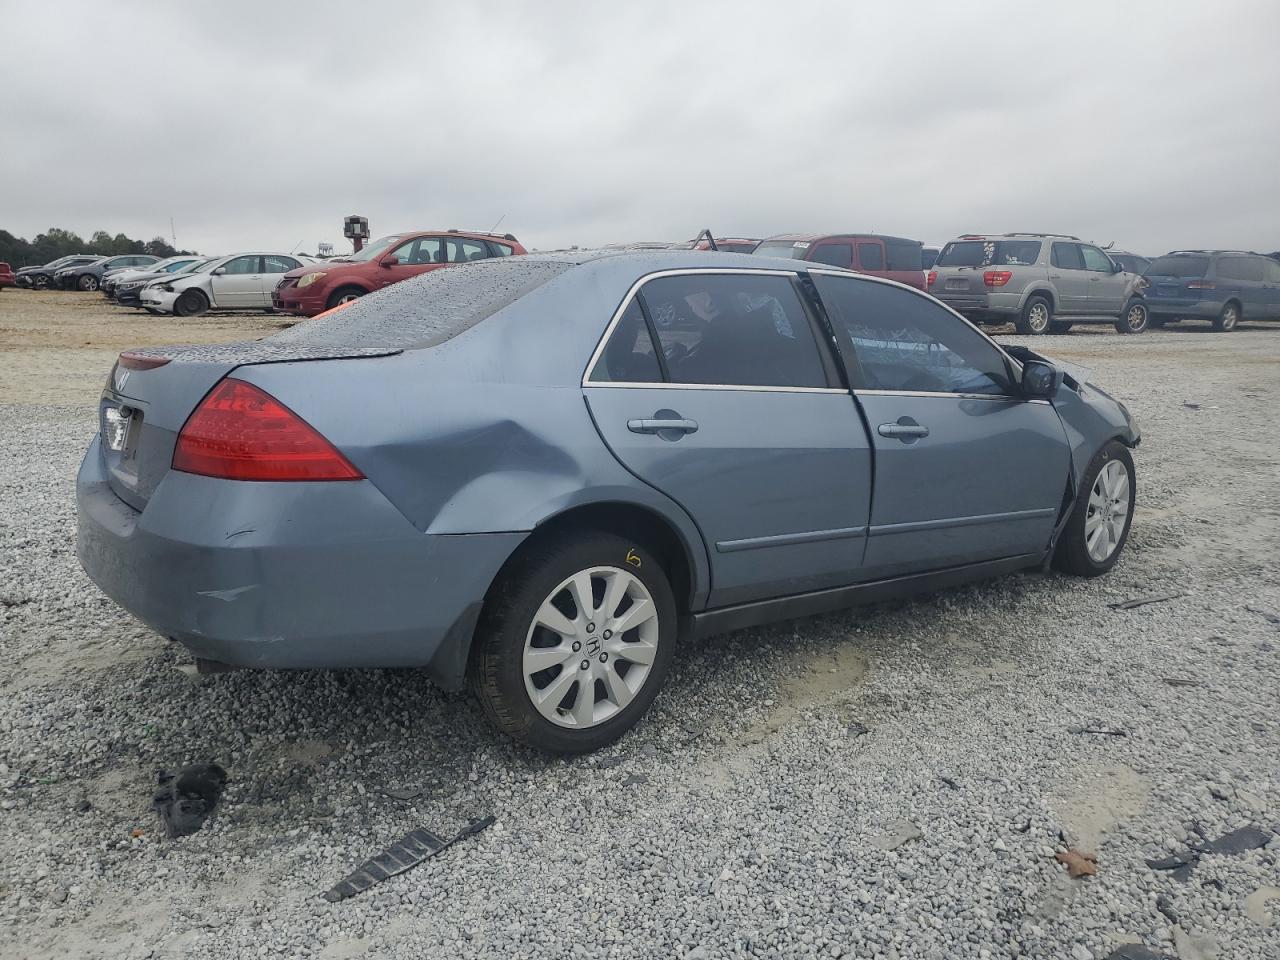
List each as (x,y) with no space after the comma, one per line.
(1095,259)
(241,265)
(733,329)
(870,256)
(906,341)
(834,254)
(1067,256)
(629,356)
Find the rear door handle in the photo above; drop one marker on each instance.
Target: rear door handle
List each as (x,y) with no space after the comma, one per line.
(901,430)
(659,426)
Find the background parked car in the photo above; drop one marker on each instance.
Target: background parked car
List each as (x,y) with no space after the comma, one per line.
(6,276)
(728,244)
(40,277)
(127,289)
(1223,286)
(893,258)
(314,290)
(113,279)
(1129,262)
(1040,282)
(928,257)
(242,281)
(88,276)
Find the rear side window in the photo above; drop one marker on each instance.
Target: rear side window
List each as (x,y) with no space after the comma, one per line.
(833,254)
(733,329)
(279,264)
(782,248)
(987,253)
(1067,256)
(903,255)
(464,251)
(500,249)
(1178,267)
(629,356)
(870,256)
(905,341)
(1240,268)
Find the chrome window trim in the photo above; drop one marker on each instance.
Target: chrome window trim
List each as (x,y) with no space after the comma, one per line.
(953,396)
(922,293)
(678,272)
(742,387)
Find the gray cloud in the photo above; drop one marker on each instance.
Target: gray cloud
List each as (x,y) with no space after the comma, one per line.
(262,126)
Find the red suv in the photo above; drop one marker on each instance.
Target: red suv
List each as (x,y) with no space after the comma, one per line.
(318,287)
(6,276)
(891,257)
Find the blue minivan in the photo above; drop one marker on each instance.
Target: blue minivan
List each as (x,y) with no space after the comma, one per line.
(1223,286)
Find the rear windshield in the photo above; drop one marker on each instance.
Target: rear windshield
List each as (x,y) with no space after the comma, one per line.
(1178,267)
(782,248)
(428,309)
(986,253)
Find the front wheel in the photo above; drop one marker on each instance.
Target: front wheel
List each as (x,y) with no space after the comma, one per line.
(41,282)
(1100,518)
(1134,319)
(1227,318)
(574,642)
(345,295)
(1037,316)
(88,283)
(192,303)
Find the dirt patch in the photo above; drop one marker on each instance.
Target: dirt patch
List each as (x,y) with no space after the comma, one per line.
(58,347)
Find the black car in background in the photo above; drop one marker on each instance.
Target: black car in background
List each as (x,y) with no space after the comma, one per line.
(127,289)
(1129,262)
(88,276)
(1222,286)
(40,277)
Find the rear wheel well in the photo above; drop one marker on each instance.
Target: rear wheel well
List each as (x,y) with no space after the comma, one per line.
(644,526)
(1239,306)
(1045,294)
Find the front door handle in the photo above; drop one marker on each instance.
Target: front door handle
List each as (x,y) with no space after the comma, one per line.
(661,426)
(903,431)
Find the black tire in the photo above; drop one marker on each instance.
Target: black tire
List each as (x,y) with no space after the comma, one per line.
(495,669)
(87,282)
(1228,318)
(192,303)
(1059,326)
(342,296)
(1036,317)
(1135,318)
(40,281)
(1072,552)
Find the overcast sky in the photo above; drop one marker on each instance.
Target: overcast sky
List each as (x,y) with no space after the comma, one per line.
(256,125)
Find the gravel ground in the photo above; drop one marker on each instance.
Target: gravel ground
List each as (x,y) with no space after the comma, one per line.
(891,782)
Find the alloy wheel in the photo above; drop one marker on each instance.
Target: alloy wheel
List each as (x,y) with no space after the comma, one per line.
(590,647)
(1229,317)
(1038,318)
(1137,318)
(1108,510)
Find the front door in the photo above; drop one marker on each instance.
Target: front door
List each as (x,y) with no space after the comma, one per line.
(965,470)
(410,259)
(239,284)
(1069,278)
(737,417)
(1107,285)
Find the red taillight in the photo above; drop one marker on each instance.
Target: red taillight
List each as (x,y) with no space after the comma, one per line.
(997,278)
(1199,284)
(931,279)
(242,433)
(140,361)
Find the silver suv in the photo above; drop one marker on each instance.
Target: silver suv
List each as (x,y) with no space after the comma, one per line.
(1039,282)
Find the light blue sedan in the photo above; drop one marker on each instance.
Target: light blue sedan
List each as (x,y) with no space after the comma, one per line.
(538,474)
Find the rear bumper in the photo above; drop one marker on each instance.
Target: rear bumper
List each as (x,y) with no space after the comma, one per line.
(991,307)
(287,575)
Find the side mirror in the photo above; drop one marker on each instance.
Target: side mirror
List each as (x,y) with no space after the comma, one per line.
(1117,266)
(219,271)
(390,262)
(1040,380)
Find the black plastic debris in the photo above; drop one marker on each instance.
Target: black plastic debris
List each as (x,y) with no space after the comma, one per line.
(1143,601)
(950,783)
(184,799)
(1134,951)
(1165,906)
(856,729)
(1239,841)
(405,854)
(401,793)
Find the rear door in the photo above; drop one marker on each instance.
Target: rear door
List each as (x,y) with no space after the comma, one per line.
(1069,278)
(240,283)
(1107,286)
(739,418)
(903,261)
(870,257)
(1241,278)
(834,253)
(965,470)
(465,250)
(1271,287)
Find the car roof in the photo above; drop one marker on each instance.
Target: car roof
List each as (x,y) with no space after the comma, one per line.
(1201,253)
(453,232)
(811,237)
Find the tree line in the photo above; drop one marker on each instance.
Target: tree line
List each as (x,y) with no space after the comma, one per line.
(56,242)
